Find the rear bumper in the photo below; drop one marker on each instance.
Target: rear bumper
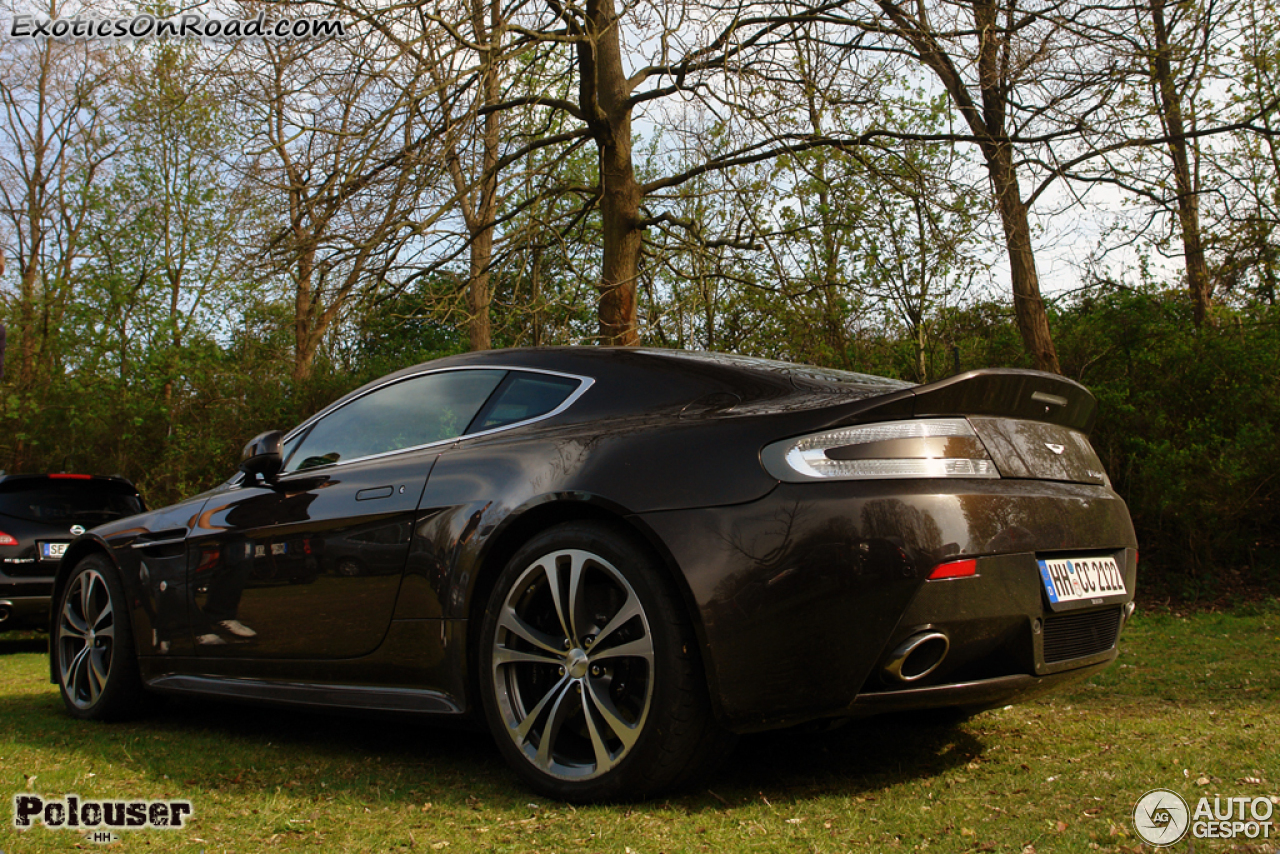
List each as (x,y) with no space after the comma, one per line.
(802,597)
(23,612)
(24,600)
(974,696)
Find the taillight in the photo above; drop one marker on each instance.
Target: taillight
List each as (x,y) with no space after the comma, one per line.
(6,540)
(65,476)
(954,569)
(921,447)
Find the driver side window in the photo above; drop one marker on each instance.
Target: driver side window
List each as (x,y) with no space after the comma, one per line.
(416,411)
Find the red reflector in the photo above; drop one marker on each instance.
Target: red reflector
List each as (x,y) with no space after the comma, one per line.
(71,477)
(954,569)
(6,540)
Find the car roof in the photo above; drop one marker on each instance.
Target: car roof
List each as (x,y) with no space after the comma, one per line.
(66,478)
(716,370)
(644,380)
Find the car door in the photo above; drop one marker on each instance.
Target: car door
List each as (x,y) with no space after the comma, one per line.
(309,565)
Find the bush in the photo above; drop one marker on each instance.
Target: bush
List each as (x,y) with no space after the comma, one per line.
(1187,427)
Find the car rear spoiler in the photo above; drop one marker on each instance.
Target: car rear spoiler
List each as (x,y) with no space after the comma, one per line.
(999,392)
(1010,393)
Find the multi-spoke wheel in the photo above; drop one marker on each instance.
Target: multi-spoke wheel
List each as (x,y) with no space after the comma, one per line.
(96,668)
(588,674)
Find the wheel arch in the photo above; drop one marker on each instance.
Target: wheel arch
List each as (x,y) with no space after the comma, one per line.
(522,525)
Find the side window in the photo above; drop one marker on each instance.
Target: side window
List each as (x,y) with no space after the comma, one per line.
(412,412)
(522,396)
(290,446)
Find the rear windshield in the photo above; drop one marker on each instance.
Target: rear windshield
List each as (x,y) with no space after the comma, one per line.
(67,502)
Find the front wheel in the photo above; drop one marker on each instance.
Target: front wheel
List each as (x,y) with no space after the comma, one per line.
(93,645)
(589,674)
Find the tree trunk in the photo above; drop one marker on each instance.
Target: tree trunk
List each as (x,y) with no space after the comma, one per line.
(27,322)
(535,276)
(833,313)
(993,76)
(987,118)
(304,338)
(480,223)
(604,96)
(922,368)
(1188,200)
(479,325)
(1028,306)
(620,271)
(35,213)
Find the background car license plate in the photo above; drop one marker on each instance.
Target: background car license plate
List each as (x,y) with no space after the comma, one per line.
(1073,579)
(53,551)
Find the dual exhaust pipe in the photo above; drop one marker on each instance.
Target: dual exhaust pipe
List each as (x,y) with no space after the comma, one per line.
(916,657)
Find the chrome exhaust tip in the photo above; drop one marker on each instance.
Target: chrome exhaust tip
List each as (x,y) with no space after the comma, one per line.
(917,656)
(6,611)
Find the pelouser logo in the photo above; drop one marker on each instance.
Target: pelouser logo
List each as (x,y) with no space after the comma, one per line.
(1161,817)
(76,813)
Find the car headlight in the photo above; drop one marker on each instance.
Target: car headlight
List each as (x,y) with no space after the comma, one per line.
(923,447)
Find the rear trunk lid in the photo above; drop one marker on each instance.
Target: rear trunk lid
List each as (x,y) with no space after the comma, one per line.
(1033,449)
(1034,425)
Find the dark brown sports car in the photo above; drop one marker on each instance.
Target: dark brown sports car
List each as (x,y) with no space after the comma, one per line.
(619,558)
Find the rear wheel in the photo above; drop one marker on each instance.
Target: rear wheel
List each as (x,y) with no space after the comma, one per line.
(589,675)
(93,644)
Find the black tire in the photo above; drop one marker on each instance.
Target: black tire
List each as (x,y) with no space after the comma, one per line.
(608,702)
(92,645)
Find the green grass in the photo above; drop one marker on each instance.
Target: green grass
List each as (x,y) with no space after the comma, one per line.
(1192,705)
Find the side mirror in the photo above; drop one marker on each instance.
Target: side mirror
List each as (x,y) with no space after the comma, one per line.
(262,456)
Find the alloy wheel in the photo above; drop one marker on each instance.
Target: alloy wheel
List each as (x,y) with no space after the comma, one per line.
(86,638)
(572,665)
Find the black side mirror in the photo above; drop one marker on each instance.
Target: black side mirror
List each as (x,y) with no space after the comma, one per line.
(262,456)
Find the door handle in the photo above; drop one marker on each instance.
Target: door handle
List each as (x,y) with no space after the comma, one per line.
(373,492)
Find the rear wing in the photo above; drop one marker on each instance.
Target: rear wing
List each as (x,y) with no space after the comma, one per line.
(1009,393)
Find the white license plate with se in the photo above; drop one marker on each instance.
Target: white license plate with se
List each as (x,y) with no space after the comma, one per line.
(1077,578)
(53,551)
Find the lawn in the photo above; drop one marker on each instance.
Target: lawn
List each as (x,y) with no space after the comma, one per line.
(1193,705)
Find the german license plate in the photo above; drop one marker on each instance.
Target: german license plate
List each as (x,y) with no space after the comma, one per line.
(1074,579)
(53,551)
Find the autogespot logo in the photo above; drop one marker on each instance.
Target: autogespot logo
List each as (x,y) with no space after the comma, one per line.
(1161,817)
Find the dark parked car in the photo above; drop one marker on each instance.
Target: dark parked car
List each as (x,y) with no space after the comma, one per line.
(40,514)
(619,558)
